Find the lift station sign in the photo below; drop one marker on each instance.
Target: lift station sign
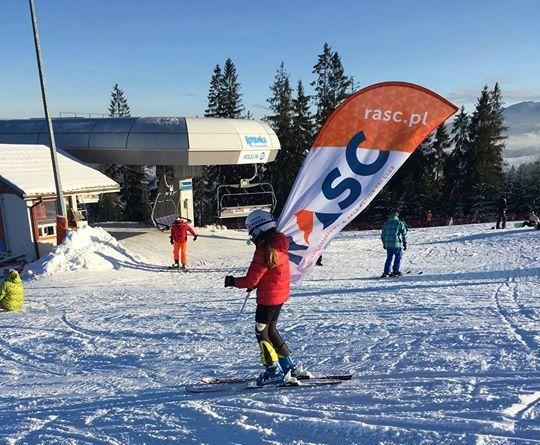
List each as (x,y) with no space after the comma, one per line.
(255,149)
(256,141)
(254,157)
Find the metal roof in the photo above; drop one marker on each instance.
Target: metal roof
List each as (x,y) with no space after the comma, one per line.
(151,140)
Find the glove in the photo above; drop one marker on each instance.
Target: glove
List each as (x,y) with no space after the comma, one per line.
(170,237)
(195,238)
(404,246)
(229,281)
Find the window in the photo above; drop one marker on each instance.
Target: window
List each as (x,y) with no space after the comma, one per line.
(45,219)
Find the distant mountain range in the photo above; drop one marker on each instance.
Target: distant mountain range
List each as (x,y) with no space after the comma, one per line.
(523,143)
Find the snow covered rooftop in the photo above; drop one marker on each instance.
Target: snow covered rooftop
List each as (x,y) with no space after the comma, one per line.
(27,169)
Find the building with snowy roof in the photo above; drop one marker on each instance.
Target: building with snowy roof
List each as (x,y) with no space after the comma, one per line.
(28,198)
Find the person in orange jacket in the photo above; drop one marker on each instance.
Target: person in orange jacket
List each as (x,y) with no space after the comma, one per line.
(179,231)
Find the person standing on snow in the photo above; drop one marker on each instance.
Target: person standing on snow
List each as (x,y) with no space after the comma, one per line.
(502,206)
(11,292)
(394,238)
(429,218)
(269,273)
(179,231)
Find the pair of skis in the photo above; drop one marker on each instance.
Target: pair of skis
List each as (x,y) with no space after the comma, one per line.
(409,272)
(174,269)
(236,384)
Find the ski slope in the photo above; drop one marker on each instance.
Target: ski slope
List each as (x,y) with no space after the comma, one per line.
(449,356)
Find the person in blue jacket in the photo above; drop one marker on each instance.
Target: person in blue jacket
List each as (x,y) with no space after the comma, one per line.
(394,239)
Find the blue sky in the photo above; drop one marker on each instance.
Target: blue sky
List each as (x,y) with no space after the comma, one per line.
(162,52)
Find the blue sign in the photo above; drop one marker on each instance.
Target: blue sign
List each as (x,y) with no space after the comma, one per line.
(186,185)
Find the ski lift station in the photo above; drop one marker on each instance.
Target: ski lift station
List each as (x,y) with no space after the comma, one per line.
(186,144)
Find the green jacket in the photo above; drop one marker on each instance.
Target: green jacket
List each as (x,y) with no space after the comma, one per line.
(11,292)
(394,233)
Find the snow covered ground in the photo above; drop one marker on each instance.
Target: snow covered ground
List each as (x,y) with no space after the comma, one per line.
(448,356)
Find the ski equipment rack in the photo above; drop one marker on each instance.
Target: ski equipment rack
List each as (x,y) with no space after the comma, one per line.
(239,200)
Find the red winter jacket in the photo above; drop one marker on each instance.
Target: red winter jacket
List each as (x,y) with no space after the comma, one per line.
(179,230)
(273,285)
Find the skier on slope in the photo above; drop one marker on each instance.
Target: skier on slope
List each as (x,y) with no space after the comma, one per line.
(502,206)
(179,231)
(269,273)
(394,238)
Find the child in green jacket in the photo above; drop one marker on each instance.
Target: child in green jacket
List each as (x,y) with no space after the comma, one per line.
(11,292)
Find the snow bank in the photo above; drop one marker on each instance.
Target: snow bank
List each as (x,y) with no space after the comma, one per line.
(91,248)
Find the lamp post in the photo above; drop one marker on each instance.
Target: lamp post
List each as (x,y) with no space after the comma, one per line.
(61,213)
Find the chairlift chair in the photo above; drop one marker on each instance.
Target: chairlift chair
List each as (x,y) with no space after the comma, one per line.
(166,208)
(239,200)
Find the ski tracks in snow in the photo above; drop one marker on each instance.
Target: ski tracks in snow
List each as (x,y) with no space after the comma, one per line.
(505,301)
(449,356)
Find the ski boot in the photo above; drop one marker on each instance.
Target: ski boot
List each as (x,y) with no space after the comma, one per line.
(385,275)
(174,265)
(396,273)
(289,368)
(184,268)
(273,375)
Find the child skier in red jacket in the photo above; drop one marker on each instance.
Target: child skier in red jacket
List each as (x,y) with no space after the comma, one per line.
(269,273)
(179,231)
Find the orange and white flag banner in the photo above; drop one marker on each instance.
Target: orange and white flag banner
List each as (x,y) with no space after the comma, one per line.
(359,148)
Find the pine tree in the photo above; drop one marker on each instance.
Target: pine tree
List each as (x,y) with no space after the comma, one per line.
(224,101)
(135,194)
(332,86)
(118,106)
(230,98)
(302,127)
(522,187)
(436,157)
(415,198)
(458,164)
(486,132)
(111,206)
(134,202)
(281,121)
(204,185)
(214,104)
(498,130)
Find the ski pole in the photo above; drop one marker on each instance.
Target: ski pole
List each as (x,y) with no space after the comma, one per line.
(246,300)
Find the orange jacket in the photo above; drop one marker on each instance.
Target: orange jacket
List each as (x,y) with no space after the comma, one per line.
(179,230)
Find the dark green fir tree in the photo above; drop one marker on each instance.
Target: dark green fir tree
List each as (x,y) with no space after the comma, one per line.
(118,106)
(331,85)
(436,157)
(458,165)
(281,121)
